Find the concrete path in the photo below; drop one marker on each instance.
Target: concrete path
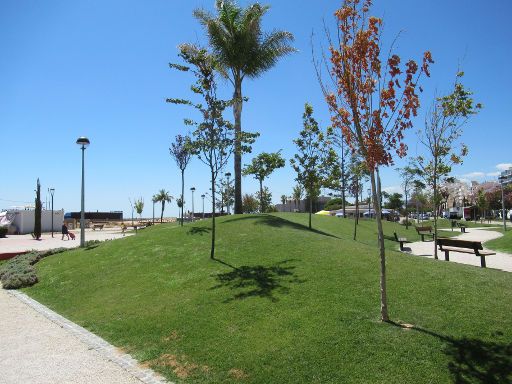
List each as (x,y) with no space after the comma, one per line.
(20,243)
(501,260)
(38,346)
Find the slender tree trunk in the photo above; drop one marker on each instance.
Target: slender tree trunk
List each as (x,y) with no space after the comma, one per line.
(406,212)
(310,209)
(261,197)
(237,112)
(435,207)
(162,213)
(356,217)
(212,250)
(383,291)
(182,194)
(343,178)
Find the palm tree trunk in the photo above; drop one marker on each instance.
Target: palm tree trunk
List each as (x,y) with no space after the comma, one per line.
(237,112)
(212,249)
(383,290)
(162,213)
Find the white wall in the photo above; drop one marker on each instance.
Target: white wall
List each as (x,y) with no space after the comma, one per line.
(23,222)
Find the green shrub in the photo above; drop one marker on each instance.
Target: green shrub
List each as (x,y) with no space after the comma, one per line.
(3,231)
(19,271)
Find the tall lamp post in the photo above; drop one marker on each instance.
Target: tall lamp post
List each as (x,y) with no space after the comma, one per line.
(502,179)
(369,203)
(83,142)
(203,196)
(193,190)
(228,175)
(52,191)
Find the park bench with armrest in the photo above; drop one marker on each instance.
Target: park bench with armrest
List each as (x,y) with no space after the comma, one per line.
(97,226)
(462,227)
(463,246)
(425,231)
(401,240)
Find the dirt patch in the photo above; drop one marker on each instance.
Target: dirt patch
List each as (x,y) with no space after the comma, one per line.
(238,374)
(173,336)
(180,366)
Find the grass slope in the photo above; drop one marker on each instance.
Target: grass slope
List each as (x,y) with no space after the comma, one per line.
(502,244)
(284,305)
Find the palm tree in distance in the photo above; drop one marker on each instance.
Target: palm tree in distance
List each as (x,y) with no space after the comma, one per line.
(163,197)
(242,49)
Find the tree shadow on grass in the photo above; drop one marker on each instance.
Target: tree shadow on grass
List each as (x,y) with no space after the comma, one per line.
(475,361)
(277,222)
(198,230)
(258,280)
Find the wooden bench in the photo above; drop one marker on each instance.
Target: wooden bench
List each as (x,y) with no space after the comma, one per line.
(464,246)
(97,226)
(425,231)
(462,227)
(401,240)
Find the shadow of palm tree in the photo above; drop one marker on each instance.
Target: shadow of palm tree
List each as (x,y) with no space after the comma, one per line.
(475,361)
(277,222)
(198,230)
(258,280)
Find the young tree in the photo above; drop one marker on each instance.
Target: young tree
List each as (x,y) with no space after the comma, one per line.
(162,197)
(180,203)
(336,137)
(395,201)
(357,174)
(315,159)
(213,137)
(250,204)
(408,176)
(297,194)
(371,102)
(264,196)
(262,167)
(242,49)
(37,213)
(139,206)
(181,152)
(443,127)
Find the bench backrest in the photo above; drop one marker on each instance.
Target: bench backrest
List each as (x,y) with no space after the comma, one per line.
(424,229)
(475,245)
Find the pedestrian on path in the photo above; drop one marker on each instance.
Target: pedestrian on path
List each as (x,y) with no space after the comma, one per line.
(65,231)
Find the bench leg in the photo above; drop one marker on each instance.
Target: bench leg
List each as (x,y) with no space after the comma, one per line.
(447,255)
(422,238)
(482,261)
(401,245)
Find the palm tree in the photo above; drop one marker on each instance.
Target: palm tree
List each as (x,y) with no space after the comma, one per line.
(242,49)
(163,197)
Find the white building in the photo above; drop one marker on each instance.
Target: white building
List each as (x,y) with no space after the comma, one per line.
(21,221)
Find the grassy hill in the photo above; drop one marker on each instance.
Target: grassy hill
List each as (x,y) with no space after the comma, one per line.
(283,304)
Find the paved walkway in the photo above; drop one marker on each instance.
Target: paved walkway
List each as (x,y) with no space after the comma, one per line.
(20,243)
(38,346)
(501,260)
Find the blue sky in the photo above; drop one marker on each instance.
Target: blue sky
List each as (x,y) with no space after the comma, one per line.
(100,69)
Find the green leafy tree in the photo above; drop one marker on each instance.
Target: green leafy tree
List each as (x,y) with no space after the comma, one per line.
(264,196)
(395,201)
(181,152)
(443,127)
(262,167)
(162,197)
(180,203)
(357,172)
(283,201)
(139,206)
(242,49)
(37,213)
(250,204)
(315,159)
(408,176)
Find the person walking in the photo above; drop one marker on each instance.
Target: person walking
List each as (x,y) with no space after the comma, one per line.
(65,231)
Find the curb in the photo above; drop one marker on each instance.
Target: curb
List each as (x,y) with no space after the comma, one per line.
(104,348)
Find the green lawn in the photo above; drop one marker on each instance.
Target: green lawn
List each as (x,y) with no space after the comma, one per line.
(283,304)
(502,244)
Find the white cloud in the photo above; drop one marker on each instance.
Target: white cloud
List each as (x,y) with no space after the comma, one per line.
(393,189)
(473,175)
(504,166)
(493,174)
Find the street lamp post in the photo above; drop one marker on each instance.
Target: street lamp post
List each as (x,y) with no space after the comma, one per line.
(503,214)
(369,202)
(193,190)
(203,196)
(83,142)
(52,191)
(228,175)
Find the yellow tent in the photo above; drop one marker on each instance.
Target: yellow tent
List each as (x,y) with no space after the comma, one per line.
(324,213)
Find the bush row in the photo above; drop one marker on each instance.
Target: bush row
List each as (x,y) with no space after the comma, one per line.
(20,272)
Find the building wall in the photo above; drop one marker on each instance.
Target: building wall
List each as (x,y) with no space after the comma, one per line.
(24,221)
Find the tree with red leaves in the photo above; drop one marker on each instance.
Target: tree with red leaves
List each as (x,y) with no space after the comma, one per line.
(372,99)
